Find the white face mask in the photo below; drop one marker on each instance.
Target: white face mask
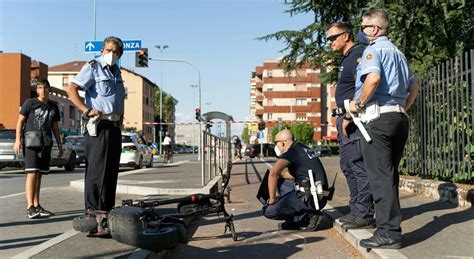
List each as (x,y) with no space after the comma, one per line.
(110,58)
(277,151)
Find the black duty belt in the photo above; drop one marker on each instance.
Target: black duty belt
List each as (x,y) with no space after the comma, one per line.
(338,112)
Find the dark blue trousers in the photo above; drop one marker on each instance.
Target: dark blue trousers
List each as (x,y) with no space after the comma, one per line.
(389,134)
(352,165)
(102,166)
(289,206)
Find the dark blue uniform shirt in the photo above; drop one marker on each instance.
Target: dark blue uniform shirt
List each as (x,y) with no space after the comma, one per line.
(347,73)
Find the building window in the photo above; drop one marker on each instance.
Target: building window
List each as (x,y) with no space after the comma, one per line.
(269,73)
(61,113)
(269,116)
(301,118)
(301,102)
(146,100)
(65,80)
(270,88)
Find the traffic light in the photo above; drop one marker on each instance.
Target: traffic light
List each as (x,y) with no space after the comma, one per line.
(261,125)
(198,114)
(141,58)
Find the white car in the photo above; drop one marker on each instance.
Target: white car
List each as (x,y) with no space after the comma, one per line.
(135,151)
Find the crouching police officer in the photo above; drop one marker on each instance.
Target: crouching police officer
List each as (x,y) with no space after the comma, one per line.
(294,204)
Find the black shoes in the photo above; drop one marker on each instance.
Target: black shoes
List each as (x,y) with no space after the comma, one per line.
(32,213)
(314,221)
(359,223)
(37,212)
(43,213)
(381,241)
(347,218)
(291,225)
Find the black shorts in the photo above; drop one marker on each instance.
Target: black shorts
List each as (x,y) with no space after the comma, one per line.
(37,160)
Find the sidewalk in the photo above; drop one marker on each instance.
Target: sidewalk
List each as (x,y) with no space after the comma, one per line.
(431,229)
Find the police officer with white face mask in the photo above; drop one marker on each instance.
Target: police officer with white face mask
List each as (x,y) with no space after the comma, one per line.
(104,103)
(289,178)
(385,89)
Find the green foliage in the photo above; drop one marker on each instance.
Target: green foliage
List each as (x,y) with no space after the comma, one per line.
(245,135)
(168,105)
(129,129)
(428,32)
(302,132)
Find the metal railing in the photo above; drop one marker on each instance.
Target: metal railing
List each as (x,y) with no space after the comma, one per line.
(215,153)
(441,141)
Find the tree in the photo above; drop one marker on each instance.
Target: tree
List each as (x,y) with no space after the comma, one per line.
(302,132)
(168,105)
(245,135)
(428,32)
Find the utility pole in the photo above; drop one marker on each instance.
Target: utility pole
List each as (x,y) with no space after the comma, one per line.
(161,48)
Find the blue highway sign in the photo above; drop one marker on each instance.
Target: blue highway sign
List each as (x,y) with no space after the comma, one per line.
(128,45)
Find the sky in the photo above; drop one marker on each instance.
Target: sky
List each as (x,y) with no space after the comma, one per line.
(217,36)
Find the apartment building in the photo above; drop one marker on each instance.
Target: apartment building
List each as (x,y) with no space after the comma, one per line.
(296,96)
(18,77)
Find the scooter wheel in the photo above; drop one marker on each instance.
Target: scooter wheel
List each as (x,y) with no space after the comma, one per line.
(157,239)
(84,223)
(183,234)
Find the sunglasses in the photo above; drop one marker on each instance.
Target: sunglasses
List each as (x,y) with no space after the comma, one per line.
(335,36)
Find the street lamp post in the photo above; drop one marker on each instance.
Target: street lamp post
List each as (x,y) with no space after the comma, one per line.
(161,48)
(194,106)
(199,87)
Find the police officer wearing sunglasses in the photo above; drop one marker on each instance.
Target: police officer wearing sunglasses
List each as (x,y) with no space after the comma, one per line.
(340,39)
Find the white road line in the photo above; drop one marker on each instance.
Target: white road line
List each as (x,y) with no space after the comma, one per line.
(23,193)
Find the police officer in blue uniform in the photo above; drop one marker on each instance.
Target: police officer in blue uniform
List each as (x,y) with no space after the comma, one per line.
(104,100)
(340,39)
(385,89)
(294,205)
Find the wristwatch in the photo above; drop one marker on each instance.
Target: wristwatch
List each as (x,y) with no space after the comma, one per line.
(359,104)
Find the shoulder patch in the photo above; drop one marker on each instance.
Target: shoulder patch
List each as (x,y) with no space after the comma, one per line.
(92,62)
(358,60)
(368,56)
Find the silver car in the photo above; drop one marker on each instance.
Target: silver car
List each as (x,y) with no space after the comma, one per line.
(8,158)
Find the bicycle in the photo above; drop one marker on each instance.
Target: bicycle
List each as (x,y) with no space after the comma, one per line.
(138,223)
(167,155)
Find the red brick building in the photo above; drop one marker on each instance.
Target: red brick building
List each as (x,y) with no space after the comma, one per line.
(292,97)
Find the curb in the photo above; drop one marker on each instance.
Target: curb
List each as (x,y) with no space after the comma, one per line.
(354,236)
(139,190)
(459,194)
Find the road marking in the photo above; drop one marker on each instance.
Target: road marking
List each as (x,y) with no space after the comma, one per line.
(43,246)
(23,193)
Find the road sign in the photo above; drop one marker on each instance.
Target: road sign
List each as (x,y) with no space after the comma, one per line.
(128,45)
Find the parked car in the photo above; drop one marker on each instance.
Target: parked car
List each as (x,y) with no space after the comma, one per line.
(322,151)
(78,142)
(135,151)
(253,150)
(67,160)
(8,158)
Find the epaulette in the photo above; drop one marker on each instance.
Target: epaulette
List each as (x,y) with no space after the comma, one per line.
(92,62)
